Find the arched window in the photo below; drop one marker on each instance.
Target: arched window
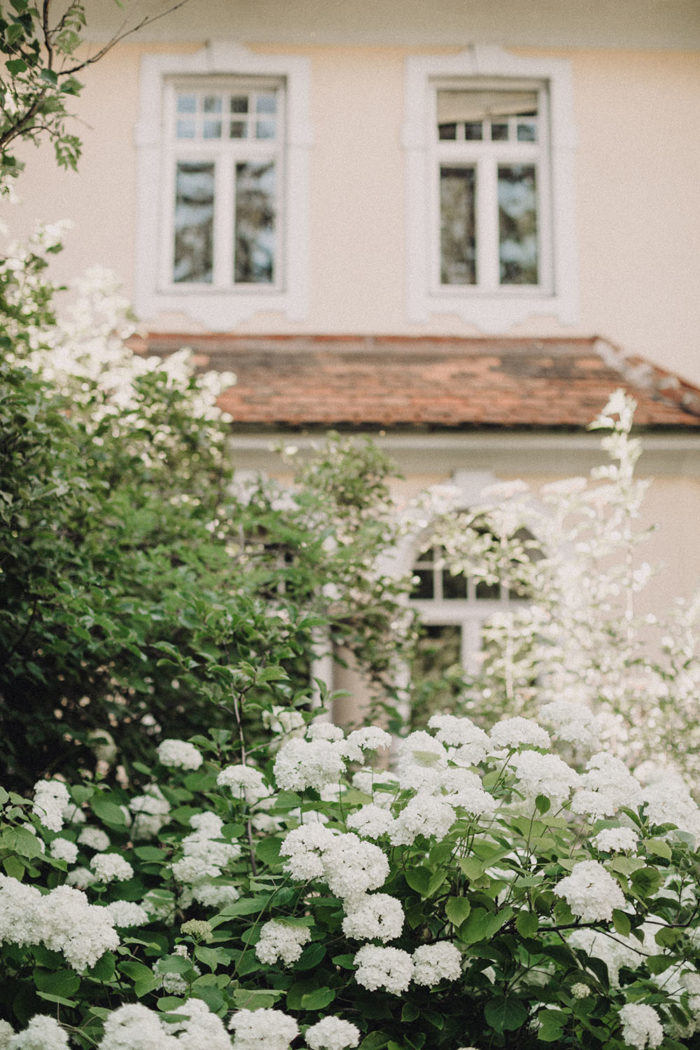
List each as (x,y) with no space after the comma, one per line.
(454,601)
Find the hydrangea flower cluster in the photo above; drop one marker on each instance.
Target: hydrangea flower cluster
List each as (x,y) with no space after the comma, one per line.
(62,920)
(591,892)
(179,754)
(50,799)
(281,940)
(262,1030)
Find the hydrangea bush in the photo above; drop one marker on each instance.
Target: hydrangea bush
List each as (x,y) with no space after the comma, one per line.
(455,888)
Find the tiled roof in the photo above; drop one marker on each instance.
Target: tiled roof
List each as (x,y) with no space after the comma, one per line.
(433,383)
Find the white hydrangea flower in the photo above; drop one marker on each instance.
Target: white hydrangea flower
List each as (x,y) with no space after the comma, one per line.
(579,990)
(332,1033)
(615,840)
(6,1033)
(302,764)
(591,892)
(641,1026)
(463,735)
(244,781)
(389,968)
(421,749)
(135,1027)
(373,916)
(548,775)
(280,940)
(50,800)
(126,913)
(179,754)
(370,821)
(351,866)
(465,791)
(207,824)
(284,720)
(150,811)
(325,731)
(424,814)
(670,802)
(571,721)
(304,847)
(94,838)
(380,785)
(202,1030)
(368,738)
(42,1033)
(518,732)
(609,777)
(214,894)
(81,878)
(615,952)
(110,867)
(64,849)
(263,1030)
(433,963)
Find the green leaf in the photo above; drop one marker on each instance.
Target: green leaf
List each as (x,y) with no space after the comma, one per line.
(646,881)
(659,963)
(374,1041)
(505,1014)
(60,982)
(481,925)
(621,922)
(318,999)
(57,999)
(526,924)
(311,956)
(256,999)
(543,804)
(150,853)
(108,812)
(659,847)
(268,850)
(472,867)
(419,880)
(49,76)
(409,1012)
(457,909)
(552,1024)
(15,66)
(14,867)
(345,962)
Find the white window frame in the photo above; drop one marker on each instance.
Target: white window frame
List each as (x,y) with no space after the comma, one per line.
(220,307)
(490,308)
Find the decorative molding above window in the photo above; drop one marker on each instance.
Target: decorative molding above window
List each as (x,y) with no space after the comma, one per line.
(222,144)
(489,141)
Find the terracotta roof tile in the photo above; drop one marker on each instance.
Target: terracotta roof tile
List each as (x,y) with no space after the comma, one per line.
(392,381)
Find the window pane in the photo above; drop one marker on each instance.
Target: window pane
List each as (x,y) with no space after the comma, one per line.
(499,132)
(436,672)
(425,587)
(457,226)
(487,591)
(239,103)
(447,131)
(186,103)
(255,223)
(194,222)
(474,131)
(238,129)
(454,586)
(517,224)
(212,103)
(264,129)
(212,129)
(185,128)
(266,103)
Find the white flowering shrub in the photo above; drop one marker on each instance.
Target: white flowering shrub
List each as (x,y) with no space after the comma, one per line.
(582,639)
(479,892)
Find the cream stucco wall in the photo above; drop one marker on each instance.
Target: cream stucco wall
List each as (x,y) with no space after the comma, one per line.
(637,118)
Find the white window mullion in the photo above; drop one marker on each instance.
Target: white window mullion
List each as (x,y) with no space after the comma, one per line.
(487,223)
(224,222)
